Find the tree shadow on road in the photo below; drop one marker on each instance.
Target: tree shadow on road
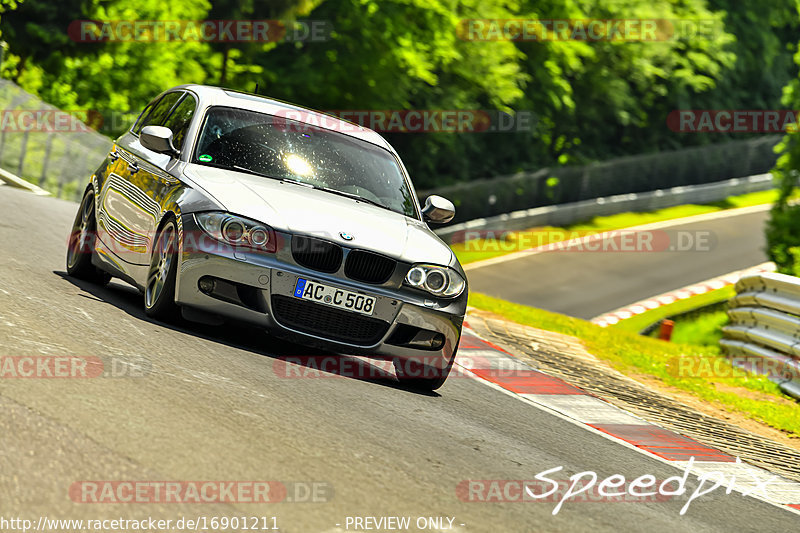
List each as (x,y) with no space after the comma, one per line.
(291,360)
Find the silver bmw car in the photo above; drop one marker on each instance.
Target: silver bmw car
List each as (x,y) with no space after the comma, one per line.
(220,205)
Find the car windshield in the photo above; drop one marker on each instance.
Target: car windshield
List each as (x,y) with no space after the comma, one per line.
(275,147)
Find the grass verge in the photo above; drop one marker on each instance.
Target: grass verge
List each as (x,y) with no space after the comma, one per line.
(637,323)
(508,242)
(676,365)
(703,328)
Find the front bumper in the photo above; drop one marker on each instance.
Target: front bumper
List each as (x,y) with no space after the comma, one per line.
(256,288)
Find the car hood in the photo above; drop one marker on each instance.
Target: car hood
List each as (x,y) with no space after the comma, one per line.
(297,209)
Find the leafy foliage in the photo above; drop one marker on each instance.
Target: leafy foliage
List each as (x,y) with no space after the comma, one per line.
(783,227)
(591,100)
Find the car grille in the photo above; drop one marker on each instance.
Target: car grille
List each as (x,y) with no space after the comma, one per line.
(327,322)
(316,254)
(368,267)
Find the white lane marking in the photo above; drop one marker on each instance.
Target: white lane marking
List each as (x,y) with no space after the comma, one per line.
(586,409)
(556,408)
(699,467)
(750,478)
(613,233)
(493,361)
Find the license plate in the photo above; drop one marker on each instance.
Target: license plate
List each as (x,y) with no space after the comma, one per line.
(325,294)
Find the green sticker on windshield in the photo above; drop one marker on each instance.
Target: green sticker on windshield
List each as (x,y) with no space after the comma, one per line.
(205,158)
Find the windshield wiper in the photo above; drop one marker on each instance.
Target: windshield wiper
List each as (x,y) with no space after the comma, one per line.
(298,182)
(354,196)
(261,174)
(253,172)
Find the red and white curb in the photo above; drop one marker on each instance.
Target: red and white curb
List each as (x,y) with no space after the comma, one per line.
(623,313)
(485,361)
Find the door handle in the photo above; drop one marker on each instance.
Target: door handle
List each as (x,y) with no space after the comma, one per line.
(133,168)
(114,155)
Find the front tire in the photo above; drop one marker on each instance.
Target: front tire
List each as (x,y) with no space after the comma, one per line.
(159,292)
(80,247)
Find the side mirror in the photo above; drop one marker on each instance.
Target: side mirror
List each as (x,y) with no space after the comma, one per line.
(438,209)
(158,139)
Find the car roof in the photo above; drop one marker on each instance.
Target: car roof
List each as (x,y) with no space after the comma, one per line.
(218,96)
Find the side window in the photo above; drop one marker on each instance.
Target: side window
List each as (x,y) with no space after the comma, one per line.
(179,120)
(137,127)
(161,110)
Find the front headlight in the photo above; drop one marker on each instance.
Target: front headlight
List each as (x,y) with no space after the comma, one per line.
(437,280)
(237,231)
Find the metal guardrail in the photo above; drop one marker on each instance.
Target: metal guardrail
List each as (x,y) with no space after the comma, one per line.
(57,161)
(8,178)
(488,198)
(564,214)
(764,330)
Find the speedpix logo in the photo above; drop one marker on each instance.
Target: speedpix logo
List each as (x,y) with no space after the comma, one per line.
(589,487)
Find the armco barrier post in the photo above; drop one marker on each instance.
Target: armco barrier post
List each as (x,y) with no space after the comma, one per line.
(665,331)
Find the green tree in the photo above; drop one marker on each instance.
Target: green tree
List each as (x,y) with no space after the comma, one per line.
(400,55)
(5,6)
(251,10)
(36,30)
(783,227)
(592,100)
(766,33)
(117,77)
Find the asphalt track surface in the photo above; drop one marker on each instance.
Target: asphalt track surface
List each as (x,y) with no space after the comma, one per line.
(210,406)
(586,284)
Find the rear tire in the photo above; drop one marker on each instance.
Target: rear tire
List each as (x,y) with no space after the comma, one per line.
(80,247)
(159,292)
(418,376)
